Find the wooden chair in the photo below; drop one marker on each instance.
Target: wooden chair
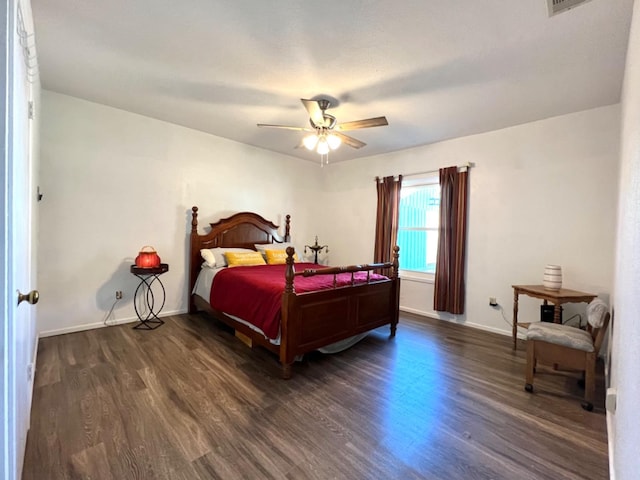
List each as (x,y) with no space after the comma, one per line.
(568,347)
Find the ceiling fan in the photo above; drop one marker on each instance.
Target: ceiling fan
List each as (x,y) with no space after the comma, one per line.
(325,132)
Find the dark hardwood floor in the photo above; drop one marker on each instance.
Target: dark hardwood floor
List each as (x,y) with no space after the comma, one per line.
(190,401)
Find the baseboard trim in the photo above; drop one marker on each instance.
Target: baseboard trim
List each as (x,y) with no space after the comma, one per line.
(33,362)
(420,313)
(610,419)
(92,326)
(612,467)
(32,381)
(468,324)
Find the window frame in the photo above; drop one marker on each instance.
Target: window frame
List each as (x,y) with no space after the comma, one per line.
(425,179)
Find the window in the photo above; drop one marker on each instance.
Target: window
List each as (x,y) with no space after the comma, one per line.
(418,222)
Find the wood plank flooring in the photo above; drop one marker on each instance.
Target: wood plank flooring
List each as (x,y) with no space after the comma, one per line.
(189,401)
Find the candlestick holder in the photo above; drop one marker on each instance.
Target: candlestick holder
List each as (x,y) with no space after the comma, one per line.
(315,248)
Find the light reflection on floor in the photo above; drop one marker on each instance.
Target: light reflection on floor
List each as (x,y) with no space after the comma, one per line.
(415,398)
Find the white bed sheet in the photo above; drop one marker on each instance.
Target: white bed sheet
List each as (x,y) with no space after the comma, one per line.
(203,289)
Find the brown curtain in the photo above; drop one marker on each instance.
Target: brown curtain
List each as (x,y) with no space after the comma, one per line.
(449,281)
(387,218)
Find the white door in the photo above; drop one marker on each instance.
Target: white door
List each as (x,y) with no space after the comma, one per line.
(18,337)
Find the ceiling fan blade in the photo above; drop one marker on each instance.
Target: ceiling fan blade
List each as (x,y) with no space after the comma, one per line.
(366,123)
(347,140)
(315,112)
(285,127)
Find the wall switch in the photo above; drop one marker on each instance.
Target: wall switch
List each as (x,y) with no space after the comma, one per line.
(118,295)
(493,301)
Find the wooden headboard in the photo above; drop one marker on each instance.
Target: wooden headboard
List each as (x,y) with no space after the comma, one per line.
(242,230)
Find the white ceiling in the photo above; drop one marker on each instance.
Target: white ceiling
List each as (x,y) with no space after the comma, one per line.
(437,69)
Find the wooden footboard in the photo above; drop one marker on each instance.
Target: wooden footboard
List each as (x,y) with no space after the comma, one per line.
(309,320)
(316,319)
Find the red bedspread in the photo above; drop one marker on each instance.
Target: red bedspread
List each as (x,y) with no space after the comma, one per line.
(254,293)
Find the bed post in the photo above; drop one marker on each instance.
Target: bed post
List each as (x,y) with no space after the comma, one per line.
(287,298)
(396,294)
(287,228)
(193,253)
(289,273)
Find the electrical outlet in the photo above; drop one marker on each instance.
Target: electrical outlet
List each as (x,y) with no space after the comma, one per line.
(493,301)
(118,295)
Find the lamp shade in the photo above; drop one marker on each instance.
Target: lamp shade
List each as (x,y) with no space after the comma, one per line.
(323,146)
(310,141)
(334,141)
(148,258)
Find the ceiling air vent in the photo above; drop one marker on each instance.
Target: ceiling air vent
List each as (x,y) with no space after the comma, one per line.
(559,6)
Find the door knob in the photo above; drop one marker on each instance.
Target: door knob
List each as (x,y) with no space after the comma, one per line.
(32,297)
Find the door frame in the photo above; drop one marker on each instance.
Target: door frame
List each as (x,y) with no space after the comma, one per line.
(7,440)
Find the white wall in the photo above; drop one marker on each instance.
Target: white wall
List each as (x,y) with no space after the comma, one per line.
(624,427)
(114,181)
(543,192)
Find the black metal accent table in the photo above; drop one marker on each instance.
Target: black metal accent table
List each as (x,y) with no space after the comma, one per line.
(149,276)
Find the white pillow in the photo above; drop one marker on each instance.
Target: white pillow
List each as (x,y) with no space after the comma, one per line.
(217,254)
(208,257)
(262,247)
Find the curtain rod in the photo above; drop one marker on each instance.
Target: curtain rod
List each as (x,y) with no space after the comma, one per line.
(464,165)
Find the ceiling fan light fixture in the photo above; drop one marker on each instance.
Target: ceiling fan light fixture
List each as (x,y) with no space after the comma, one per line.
(310,141)
(322,138)
(323,146)
(334,141)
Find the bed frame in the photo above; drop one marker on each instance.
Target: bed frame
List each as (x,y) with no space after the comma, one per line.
(309,320)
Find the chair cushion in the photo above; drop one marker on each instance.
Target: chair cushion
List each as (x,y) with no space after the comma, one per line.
(564,335)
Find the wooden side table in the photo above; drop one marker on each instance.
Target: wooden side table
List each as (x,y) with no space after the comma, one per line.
(148,276)
(556,297)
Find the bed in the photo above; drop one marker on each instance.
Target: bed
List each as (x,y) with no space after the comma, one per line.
(308,320)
